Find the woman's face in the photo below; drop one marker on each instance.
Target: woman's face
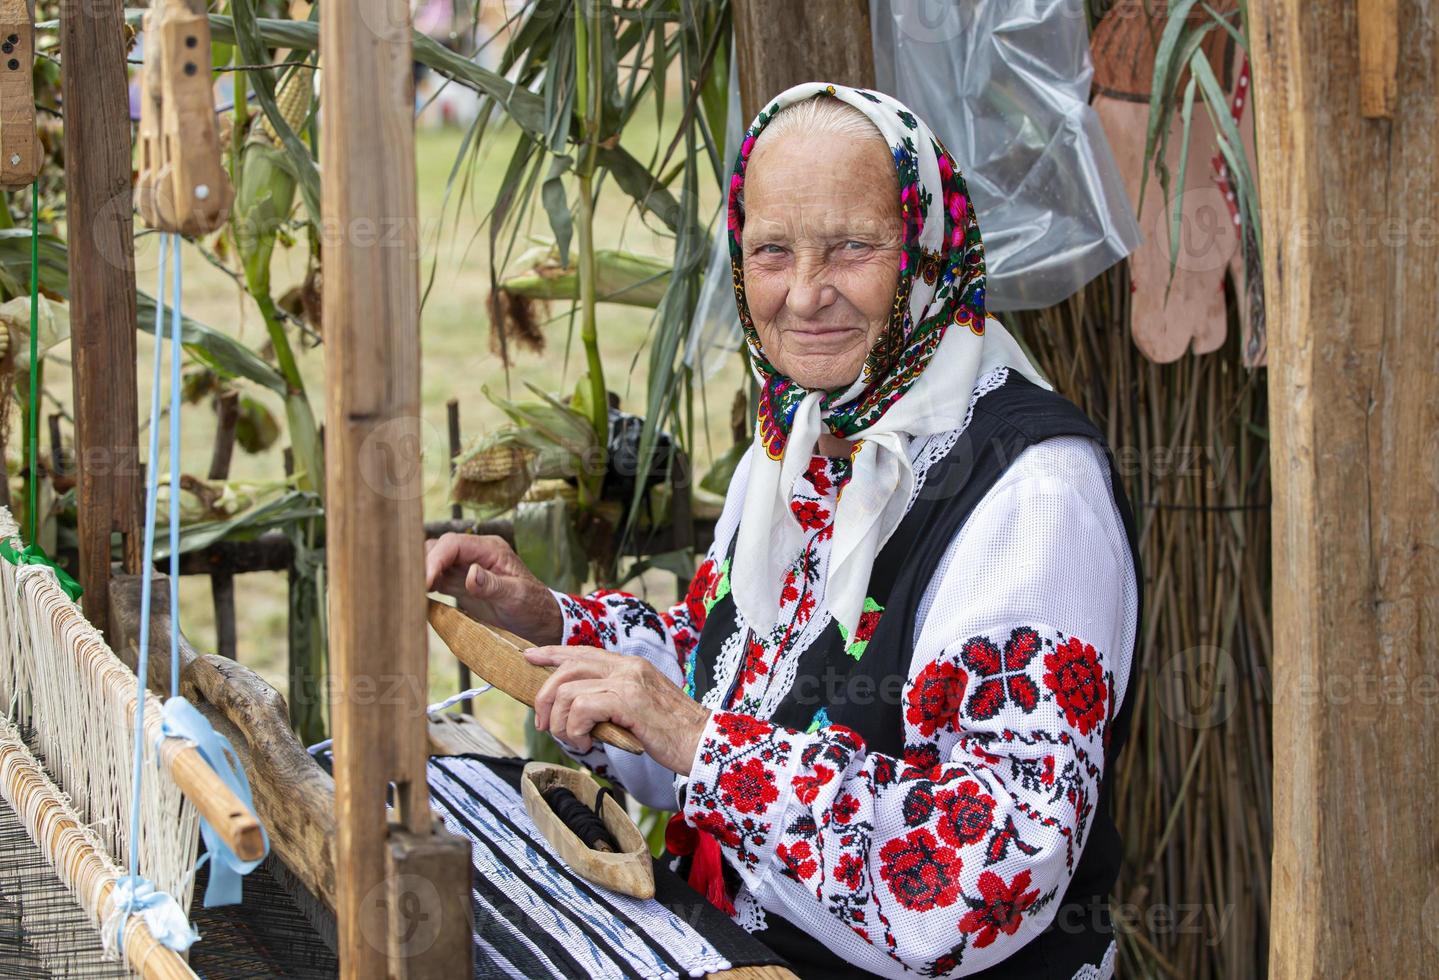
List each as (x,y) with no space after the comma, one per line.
(820,250)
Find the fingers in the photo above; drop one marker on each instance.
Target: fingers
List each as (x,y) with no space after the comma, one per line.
(450,550)
(571,664)
(580,705)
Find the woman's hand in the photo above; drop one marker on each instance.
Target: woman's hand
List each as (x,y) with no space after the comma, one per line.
(493,585)
(590,685)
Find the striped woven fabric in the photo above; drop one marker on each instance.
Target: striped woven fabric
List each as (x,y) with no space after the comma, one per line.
(534,917)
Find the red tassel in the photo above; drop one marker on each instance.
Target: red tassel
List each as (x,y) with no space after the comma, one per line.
(707,867)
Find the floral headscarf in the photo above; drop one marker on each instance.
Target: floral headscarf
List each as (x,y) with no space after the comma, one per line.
(941,271)
(916,379)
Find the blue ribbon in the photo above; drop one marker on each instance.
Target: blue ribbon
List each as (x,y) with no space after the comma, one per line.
(180,719)
(162,914)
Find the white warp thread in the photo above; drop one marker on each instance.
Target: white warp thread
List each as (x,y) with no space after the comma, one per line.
(59,678)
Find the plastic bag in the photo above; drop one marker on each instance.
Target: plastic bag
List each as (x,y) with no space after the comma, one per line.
(1005,85)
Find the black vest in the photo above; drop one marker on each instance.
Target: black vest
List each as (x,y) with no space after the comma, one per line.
(1005,422)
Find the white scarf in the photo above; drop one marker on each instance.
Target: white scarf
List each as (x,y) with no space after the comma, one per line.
(878,492)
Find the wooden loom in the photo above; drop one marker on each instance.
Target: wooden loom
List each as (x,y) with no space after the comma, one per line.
(332,836)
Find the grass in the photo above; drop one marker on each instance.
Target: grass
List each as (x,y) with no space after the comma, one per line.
(457,363)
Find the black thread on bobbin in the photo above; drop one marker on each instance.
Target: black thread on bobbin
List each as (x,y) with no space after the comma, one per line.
(585,823)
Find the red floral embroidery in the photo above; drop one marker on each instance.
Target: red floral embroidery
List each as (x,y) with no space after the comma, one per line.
(849,872)
(1077,680)
(749,786)
(713,822)
(922,873)
(818,476)
(1004,673)
(583,634)
(966,813)
(701,587)
(844,808)
(811,516)
(740,729)
(1000,909)
(936,696)
(797,859)
(754,666)
(806,788)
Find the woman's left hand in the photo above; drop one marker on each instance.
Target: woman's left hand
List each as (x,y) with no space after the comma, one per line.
(591,685)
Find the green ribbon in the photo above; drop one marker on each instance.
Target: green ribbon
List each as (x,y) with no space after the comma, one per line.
(33,554)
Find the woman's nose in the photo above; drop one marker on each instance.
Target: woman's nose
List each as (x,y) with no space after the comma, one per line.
(809,289)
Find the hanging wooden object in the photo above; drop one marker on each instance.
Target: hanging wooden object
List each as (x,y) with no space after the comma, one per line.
(20,154)
(1167,319)
(496,656)
(182,185)
(629,870)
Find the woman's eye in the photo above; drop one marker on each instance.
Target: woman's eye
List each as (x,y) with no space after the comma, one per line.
(771,249)
(854,245)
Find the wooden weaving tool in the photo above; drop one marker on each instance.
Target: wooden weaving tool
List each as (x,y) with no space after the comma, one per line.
(628,870)
(20,155)
(496,656)
(182,186)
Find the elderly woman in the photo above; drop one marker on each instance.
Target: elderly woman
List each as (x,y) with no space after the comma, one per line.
(889,707)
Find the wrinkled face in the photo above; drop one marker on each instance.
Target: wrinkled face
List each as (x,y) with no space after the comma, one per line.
(820,250)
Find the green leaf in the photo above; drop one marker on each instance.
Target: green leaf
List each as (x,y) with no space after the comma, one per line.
(256,429)
(277,514)
(557,207)
(545,540)
(246,36)
(220,352)
(1178,210)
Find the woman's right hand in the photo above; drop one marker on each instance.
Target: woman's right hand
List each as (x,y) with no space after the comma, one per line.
(493,585)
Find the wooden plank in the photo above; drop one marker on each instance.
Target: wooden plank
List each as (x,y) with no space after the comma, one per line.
(1351,236)
(456,734)
(374,496)
(102,293)
(20,153)
(494,655)
(780,43)
(1378,57)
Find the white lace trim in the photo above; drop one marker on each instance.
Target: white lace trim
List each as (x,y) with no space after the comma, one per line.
(938,446)
(731,650)
(748,913)
(1105,969)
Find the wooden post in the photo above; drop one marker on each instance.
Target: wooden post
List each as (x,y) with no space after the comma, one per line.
(1351,237)
(780,43)
(102,292)
(1378,56)
(404,895)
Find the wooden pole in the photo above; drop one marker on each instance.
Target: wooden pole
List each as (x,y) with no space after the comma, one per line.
(1351,237)
(404,893)
(102,292)
(780,43)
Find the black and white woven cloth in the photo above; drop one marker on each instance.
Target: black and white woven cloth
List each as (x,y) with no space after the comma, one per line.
(534,917)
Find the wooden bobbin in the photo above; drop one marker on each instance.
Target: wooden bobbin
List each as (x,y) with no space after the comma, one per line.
(20,155)
(182,186)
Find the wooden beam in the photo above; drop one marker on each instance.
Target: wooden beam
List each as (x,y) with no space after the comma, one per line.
(102,292)
(1351,238)
(1378,57)
(374,523)
(780,43)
